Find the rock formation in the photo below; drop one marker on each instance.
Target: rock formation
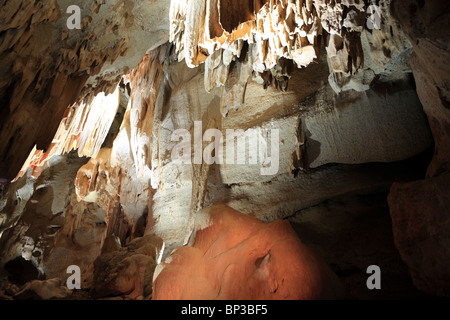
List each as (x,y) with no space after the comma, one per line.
(46,67)
(420,210)
(236,256)
(129,270)
(116,136)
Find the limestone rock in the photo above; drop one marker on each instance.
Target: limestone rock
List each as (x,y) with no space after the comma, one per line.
(34,211)
(76,241)
(213,33)
(340,133)
(83,128)
(337,132)
(107,110)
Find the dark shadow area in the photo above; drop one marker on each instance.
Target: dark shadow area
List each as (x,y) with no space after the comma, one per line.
(20,271)
(353,232)
(118,119)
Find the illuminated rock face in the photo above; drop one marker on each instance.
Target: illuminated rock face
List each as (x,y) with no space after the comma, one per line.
(241,44)
(339,90)
(236,256)
(84,128)
(46,67)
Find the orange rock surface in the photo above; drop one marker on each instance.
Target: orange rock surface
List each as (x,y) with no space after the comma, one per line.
(239,257)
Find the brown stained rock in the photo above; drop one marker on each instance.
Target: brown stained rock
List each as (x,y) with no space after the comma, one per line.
(201,28)
(43,289)
(236,256)
(128,271)
(426,23)
(420,210)
(421,225)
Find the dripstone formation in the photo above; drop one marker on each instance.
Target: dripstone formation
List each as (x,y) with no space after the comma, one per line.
(224,149)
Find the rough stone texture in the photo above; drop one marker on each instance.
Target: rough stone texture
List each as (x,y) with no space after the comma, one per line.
(364,238)
(420,210)
(127,271)
(341,94)
(380,118)
(84,128)
(43,289)
(235,256)
(44,65)
(312,133)
(288,193)
(427,24)
(421,227)
(34,210)
(77,242)
(118,178)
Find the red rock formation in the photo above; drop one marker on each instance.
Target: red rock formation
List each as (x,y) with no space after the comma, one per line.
(236,256)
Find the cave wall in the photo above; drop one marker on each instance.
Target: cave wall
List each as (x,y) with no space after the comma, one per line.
(352,105)
(419,210)
(46,67)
